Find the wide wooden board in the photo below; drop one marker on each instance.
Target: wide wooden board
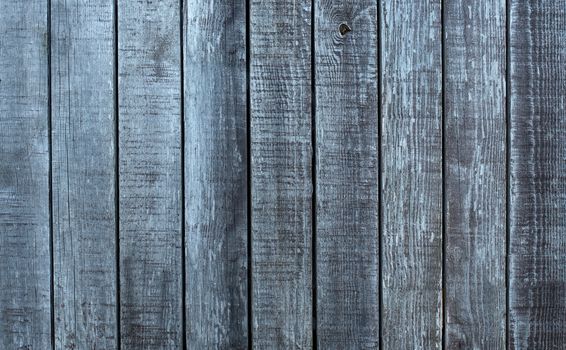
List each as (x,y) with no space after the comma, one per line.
(347,232)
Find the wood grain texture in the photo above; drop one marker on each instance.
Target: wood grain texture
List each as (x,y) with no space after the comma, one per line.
(216,174)
(411,174)
(25,308)
(347,234)
(84,221)
(475,168)
(537,260)
(150,174)
(281,170)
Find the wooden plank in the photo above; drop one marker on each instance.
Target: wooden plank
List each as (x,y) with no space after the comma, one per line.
(537,257)
(281,171)
(150,209)
(347,174)
(83,124)
(216,174)
(475,185)
(411,174)
(25,268)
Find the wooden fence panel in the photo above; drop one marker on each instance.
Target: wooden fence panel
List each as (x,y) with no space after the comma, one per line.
(281,173)
(25,269)
(347,232)
(150,211)
(537,247)
(475,168)
(216,197)
(83,185)
(411,61)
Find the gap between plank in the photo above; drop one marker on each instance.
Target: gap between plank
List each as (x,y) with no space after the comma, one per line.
(507,165)
(117,177)
(183,211)
(249,177)
(313,184)
(50,177)
(379,176)
(443,171)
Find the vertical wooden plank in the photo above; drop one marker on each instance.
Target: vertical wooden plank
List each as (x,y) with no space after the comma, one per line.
(216,174)
(537,260)
(347,234)
(412,174)
(83,153)
(281,170)
(475,151)
(25,307)
(150,174)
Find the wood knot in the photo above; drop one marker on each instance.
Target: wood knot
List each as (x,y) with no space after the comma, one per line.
(344,29)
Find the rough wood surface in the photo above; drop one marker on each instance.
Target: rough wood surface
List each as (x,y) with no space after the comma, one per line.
(149,62)
(537,257)
(216,174)
(25,309)
(411,174)
(475,169)
(281,173)
(83,123)
(347,174)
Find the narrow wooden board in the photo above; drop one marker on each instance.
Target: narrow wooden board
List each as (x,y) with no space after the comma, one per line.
(537,256)
(25,268)
(150,210)
(83,125)
(475,168)
(216,174)
(411,62)
(347,236)
(281,171)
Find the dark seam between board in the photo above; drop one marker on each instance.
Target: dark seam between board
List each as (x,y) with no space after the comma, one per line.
(507,165)
(313,174)
(117,177)
(443,171)
(249,179)
(50,177)
(379,175)
(183,209)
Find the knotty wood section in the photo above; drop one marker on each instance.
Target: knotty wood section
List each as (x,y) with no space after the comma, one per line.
(25,308)
(347,170)
(216,174)
(537,256)
(475,181)
(83,138)
(281,170)
(150,211)
(411,174)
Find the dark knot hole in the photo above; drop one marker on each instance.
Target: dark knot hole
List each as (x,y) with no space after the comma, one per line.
(344,29)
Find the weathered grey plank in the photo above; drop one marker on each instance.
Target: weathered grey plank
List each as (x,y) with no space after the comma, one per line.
(216,174)
(83,123)
(411,174)
(281,170)
(537,260)
(25,309)
(150,174)
(475,185)
(347,237)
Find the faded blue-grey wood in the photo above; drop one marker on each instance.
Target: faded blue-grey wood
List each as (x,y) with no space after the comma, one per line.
(347,236)
(216,222)
(25,269)
(150,210)
(281,173)
(411,174)
(475,182)
(83,141)
(537,247)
